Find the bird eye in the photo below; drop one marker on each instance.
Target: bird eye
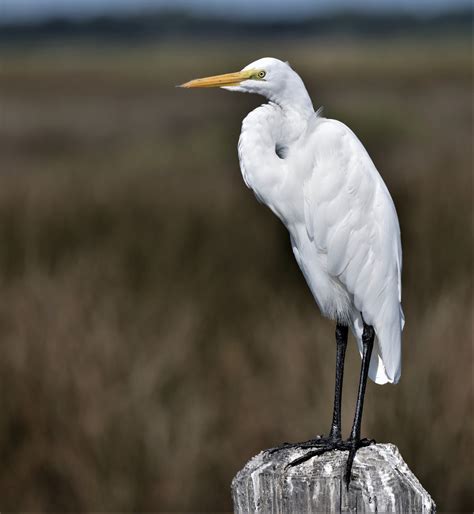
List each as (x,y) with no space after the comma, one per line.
(261,74)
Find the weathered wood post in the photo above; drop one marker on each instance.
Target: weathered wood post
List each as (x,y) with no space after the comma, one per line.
(381,482)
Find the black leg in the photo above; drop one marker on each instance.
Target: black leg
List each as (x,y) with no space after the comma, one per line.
(354,442)
(322,445)
(320,442)
(368,337)
(341,344)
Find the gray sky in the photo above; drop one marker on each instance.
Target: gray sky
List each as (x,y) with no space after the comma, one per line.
(34,9)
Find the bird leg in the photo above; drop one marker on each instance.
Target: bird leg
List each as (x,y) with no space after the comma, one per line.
(341,343)
(321,442)
(354,442)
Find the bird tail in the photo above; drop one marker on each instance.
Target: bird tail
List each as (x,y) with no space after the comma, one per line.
(383,368)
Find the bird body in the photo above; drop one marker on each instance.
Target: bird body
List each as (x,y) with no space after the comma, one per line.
(317,177)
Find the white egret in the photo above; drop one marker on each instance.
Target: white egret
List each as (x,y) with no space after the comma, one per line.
(317,177)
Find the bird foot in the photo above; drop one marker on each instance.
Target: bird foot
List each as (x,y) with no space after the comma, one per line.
(318,442)
(322,445)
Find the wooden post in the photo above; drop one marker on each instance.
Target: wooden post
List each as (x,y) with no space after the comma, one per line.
(381,482)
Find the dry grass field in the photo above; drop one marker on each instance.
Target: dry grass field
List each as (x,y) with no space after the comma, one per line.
(155,331)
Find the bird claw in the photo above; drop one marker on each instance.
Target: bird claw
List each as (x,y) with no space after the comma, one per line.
(317,441)
(324,445)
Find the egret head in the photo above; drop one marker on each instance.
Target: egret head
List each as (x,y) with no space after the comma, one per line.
(269,77)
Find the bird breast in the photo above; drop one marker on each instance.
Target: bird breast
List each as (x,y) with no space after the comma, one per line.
(270,160)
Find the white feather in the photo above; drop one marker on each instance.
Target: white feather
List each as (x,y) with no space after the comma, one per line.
(342,221)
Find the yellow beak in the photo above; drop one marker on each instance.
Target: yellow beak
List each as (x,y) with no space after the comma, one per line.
(228,79)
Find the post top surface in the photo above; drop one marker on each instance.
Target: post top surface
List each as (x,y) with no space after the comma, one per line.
(380,477)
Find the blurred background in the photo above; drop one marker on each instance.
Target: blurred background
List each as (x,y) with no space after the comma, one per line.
(155,330)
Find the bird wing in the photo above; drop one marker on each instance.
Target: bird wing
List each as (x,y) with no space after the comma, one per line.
(351,218)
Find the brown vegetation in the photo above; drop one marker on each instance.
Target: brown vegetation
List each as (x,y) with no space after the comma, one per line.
(154,327)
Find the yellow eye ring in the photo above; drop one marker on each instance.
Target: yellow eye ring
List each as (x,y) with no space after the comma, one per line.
(261,74)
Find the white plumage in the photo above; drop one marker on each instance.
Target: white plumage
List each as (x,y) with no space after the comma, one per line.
(341,219)
(317,177)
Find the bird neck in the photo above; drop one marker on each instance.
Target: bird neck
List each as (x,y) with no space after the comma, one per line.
(292,111)
(264,131)
(289,122)
(293,99)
